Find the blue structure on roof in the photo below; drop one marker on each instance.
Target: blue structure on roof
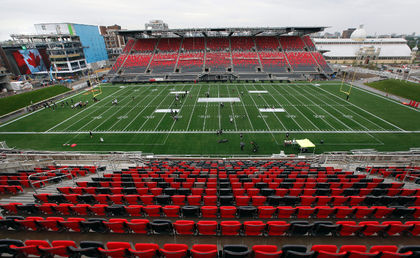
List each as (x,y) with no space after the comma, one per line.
(93,43)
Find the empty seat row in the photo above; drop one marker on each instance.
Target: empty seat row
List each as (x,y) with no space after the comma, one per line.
(211,227)
(148,250)
(239,200)
(10,189)
(338,212)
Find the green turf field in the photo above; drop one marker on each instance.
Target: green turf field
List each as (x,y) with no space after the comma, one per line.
(314,111)
(15,102)
(405,89)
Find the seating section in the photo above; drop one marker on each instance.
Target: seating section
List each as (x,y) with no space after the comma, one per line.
(67,248)
(217,44)
(245,61)
(301,61)
(137,63)
(13,183)
(215,54)
(144,46)
(321,61)
(163,63)
(128,46)
(118,63)
(218,62)
(191,62)
(309,43)
(292,43)
(267,43)
(409,173)
(273,62)
(253,202)
(169,44)
(345,228)
(193,44)
(242,43)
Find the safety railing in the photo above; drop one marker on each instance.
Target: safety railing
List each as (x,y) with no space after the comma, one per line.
(33,182)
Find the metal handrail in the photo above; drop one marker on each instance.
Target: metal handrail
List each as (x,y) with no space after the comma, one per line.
(48,179)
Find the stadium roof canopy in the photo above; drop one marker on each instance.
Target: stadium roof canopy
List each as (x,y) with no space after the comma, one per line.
(221,32)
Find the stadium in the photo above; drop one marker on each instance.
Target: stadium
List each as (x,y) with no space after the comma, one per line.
(218,142)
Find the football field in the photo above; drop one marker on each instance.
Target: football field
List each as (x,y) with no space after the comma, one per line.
(184,119)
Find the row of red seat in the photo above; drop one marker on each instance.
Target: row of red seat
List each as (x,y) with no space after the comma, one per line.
(213,211)
(297,59)
(149,250)
(144,45)
(210,227)
(169,44)
(294,43)
(193,44)
(187,188)
(410,173)
(267,43)
(242,43)
(239,200)
(10,189)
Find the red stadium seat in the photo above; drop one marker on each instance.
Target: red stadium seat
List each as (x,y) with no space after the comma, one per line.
(254,228)
(144,250)
(209,211)
(174,250)
(266,251)
(206,227)
(184,227)
(230,228)
(277,228)
(204,251)
(138,226)
(266,211)
(227,211)
(115,249)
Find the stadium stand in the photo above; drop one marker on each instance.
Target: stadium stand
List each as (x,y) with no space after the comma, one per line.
(247,205)
(193,44)
(301,61)
(191,62)
(245,61)
(273,62)
(219,57)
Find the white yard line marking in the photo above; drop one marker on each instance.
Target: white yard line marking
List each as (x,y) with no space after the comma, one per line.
(212,132)
(266,124)
(350,110)
(233,113)
(322,118)
(271,95)
(260,110)
(78,113)
(205,113)
(354,120)
(218,100)
(246,111)
(116,111)
(138,102)
(192,112)
(147,119)
(173,123)
(141,112)
(294,106)
(163,116)
(383,120)
(218,108)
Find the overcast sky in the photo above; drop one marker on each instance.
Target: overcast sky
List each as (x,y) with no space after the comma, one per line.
(378,16)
